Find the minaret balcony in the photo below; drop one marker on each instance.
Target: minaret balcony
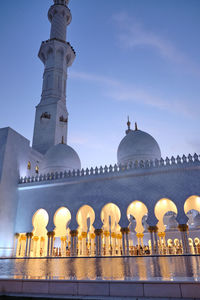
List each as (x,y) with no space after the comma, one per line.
(52,46)
(61,10)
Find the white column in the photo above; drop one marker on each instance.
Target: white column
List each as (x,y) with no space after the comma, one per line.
(183,229)
(16,242)
(92,238)
(79,246)
(123,230)
(98,233)
(127,242)
(113,240)
(84,246)
(48,243)
(107,242)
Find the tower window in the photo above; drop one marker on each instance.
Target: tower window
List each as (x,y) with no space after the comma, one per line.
(29,165)
(45,115)
(62,119)
(37,169)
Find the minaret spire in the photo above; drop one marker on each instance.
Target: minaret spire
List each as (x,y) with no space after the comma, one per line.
(57,55)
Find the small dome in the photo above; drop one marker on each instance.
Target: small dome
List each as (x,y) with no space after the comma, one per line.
(137,145)
(60,158)
(197,220)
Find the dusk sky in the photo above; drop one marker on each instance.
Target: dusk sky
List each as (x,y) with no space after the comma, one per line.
(134,57)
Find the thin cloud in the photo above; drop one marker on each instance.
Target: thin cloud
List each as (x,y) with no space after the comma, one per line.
(95,78)
(132,34)
(119,91)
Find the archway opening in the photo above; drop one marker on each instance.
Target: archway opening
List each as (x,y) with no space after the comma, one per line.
(162,207)
(192,210)
(85,219)
(62,218)
(166,211)
(112,238)
(137,213)
(38,246)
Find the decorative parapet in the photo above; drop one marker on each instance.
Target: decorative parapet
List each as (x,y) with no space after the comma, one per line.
(136,165)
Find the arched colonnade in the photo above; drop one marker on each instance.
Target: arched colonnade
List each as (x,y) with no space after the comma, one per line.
(136,239)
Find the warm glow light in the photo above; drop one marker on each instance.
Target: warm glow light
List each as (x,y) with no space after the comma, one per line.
(161,208)
(40,221)
(138,210)
(62,219)
(85,218)
(110,213)
(192,202)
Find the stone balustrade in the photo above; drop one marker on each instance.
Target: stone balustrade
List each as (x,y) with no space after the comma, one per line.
(159,164)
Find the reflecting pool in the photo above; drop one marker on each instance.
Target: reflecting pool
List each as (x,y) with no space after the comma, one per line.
(164,268)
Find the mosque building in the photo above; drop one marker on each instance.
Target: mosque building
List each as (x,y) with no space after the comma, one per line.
(50,206)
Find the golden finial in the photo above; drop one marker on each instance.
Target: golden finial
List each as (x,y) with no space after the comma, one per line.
(136,127)
(128,124)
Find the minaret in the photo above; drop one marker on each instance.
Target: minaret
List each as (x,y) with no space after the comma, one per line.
(51,120)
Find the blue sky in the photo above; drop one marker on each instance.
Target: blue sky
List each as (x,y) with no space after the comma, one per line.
(134,57)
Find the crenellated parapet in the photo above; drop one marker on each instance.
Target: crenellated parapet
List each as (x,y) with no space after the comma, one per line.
(162,164)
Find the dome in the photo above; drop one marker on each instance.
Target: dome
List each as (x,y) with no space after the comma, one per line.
(137,145)
(60,158)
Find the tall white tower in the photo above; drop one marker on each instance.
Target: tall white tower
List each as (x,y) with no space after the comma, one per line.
(57,55)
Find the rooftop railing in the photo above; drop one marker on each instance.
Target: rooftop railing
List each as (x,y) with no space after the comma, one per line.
(136,165)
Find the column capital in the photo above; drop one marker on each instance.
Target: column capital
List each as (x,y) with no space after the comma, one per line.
(50,233)
(84,234)
(140,235)
(92,236)
(98,232)
(23,237)
(124,230)
(152,228)
(161,234)
(29,234)
(119,236)
(183,227)
(74,233)
(106,233)
(16,235)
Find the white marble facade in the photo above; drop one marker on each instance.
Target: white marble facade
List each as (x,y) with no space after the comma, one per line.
(50,206)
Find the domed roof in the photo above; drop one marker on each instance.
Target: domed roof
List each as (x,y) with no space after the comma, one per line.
(60,157)
(137,145)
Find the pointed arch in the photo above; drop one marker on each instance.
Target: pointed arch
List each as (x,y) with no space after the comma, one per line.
(40,221)
(61,219)
(163,206)
(112,237)
(138,210)
(193,202)
(110,216)
(85,218)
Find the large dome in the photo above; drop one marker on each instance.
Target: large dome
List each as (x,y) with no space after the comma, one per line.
(59,158)
(137,145)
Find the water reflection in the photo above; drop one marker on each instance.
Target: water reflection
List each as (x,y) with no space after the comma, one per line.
(106,268)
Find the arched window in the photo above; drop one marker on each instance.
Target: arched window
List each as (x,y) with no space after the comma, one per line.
(36,169)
